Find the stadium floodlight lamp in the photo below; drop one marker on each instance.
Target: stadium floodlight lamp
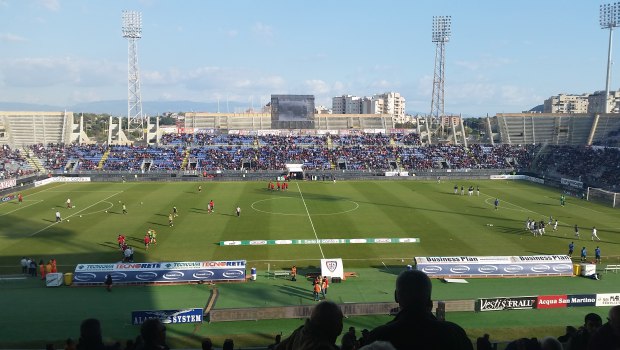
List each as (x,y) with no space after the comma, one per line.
(441,29)
(610,15)
(132,24)
(609,19)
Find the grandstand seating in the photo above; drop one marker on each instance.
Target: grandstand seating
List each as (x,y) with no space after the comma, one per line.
(28,128)
(558,129)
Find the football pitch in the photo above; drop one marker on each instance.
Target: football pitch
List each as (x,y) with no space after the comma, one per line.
(446,225)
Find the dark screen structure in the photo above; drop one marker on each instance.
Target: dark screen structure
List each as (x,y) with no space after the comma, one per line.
(292,111)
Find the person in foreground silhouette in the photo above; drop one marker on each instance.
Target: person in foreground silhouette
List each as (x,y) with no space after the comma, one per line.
(415,327)
(319,332)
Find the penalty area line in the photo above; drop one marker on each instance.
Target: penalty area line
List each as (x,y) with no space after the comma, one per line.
(23,207)
(88,207)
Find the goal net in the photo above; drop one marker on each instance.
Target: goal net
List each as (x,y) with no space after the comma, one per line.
(602,196)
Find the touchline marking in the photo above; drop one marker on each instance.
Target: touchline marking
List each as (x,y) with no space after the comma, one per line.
(90,206)
(22,207)
(32,194)
(310,218)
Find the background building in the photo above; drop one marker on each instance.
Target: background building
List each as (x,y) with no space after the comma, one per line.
(596,102)
(564,103)
(391,103)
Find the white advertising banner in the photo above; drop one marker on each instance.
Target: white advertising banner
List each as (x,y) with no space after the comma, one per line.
(54,279)
(8,183)
(495,266)
(61,179)
(608,299)
(332,268)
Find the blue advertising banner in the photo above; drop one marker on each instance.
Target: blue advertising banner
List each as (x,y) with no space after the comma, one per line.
(495,266)
(581,300)
(168,316)
(160,272)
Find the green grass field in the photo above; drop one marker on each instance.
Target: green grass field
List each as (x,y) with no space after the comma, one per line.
(446,224)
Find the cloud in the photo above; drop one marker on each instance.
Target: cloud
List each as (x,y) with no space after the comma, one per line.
(262,31)
(317,87)
(46,72)
(485,63)
(11,37)
(51,5)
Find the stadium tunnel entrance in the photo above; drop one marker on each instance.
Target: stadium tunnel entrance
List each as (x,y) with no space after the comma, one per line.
(295,171)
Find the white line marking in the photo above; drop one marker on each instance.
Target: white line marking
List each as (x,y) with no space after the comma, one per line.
(22,207)
(98,191)
(293,214)
(310,218)
(90,206)
(99,211)
(32,194)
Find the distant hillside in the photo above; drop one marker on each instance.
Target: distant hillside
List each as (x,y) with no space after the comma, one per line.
(538,109)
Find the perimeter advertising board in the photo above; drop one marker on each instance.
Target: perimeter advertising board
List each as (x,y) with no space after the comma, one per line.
(607,299)
(507,303)
(194,315)
(551,301)
(495,266)
(160,272)
(60,179)
(4,184)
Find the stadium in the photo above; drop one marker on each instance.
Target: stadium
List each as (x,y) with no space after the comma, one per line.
(374,199)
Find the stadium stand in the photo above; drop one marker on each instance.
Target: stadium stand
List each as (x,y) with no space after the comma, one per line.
(28,128)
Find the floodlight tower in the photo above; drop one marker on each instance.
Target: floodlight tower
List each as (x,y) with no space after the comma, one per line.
(132,31)
(441,35)
(609,19)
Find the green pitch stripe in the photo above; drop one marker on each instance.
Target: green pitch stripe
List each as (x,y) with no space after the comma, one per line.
(321,241)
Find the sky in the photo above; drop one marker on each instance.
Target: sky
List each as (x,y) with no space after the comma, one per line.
(502,57)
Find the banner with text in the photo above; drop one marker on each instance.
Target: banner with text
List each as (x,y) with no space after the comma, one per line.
(194,315)
(4,184)
(495,266)
(607,299)
(571,183)
(160,272)
(321,241)
(61,179)
(508,303)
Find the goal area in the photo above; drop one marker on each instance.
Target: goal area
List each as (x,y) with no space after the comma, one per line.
(602,196)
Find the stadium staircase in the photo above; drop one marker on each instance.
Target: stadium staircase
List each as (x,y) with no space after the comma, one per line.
(330,144)
(211,302)
(104,157)
(34,161)
(185,159)
(544,150)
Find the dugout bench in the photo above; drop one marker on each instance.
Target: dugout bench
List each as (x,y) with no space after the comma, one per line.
(613,268)
(278,273)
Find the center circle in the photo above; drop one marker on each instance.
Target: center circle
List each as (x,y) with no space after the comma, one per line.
(295,207)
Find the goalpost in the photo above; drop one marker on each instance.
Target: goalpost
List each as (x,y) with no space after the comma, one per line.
(602,196)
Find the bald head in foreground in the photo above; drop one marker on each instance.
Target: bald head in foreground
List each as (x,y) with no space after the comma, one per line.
(608,336)
(415,327)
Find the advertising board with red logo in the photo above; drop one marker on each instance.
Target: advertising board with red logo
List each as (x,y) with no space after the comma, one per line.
(160,272)
(551,301)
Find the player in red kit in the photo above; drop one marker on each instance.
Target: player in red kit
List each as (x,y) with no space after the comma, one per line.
(147,241)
